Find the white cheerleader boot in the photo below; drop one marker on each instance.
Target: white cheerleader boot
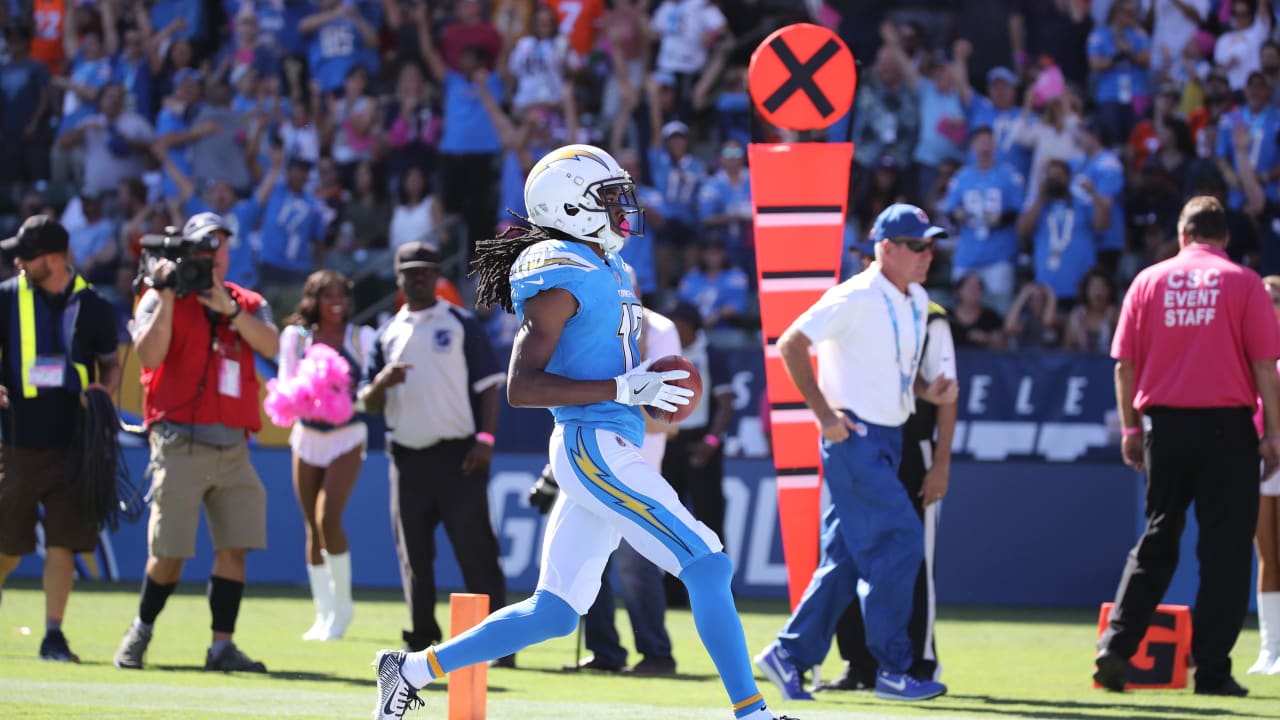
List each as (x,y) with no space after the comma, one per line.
(322,596)
(1269,628)
(343,606)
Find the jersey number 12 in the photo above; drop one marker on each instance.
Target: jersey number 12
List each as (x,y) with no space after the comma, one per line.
(629,332)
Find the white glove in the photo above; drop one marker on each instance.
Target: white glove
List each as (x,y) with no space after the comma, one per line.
(642,387)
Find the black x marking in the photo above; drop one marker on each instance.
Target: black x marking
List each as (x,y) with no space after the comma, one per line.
(802,76)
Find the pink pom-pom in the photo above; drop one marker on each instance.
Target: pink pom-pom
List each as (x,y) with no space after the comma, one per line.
(321,389)
(279,404)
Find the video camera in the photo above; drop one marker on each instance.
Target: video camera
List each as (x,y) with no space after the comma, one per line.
(544,491)
(192,273)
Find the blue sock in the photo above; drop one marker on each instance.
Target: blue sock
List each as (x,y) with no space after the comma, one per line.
(707,580)
(515,627)
(218,646)
(52,626)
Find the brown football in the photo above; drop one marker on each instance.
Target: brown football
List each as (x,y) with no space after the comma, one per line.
(693,382)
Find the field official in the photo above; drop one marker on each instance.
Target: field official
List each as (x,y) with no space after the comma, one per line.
(1195,345)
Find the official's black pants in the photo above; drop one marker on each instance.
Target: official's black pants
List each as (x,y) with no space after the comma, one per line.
(1209,456)
(428,487)
(851,633)
(699,488)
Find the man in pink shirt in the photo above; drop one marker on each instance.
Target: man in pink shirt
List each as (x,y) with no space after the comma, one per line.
(1195,346)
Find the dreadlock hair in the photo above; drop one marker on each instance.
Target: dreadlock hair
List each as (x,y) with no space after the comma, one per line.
(493,259)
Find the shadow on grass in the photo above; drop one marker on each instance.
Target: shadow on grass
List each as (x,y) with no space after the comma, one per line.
(681,677)
(308,676)
(1069,710)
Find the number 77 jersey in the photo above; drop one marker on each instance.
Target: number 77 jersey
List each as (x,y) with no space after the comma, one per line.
(600,342)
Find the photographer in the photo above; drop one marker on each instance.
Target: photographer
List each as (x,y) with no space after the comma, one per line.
(45,375)
(196,335)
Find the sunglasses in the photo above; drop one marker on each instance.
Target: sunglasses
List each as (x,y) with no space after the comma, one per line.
(915,245)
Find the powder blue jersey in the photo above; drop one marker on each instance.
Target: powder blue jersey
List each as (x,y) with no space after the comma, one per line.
(996,193)
(600,342)
(1065,244)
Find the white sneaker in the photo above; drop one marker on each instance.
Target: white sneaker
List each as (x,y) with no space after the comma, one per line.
(1268,662)
(395,694)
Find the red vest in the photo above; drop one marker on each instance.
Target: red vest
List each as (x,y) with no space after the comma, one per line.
(176,392)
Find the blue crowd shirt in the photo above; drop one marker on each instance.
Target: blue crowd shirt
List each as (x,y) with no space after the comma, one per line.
(678,183)
(1264,127)
(1106,172)
(291,224)
(335,48)
(1123,81)
(1004,128)
(999,191)
(467,127)
(729,288)
(1065,244)
(932,147)
(170,122)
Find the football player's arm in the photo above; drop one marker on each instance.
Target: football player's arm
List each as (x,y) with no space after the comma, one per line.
(528,382)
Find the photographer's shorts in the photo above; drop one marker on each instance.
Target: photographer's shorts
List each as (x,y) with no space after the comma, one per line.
(33,477)
(187,474)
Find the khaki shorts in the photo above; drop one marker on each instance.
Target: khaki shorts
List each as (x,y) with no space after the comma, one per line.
(185,475)
(34,477)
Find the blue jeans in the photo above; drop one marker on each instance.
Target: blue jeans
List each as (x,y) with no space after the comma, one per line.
(870,533)
(643,591)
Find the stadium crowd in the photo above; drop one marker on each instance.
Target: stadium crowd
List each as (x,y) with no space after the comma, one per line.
(1056,138)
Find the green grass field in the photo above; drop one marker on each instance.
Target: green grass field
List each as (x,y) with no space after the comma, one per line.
(999,663)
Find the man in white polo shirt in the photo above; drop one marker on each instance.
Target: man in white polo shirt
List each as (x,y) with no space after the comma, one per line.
(870,333)
(435,377)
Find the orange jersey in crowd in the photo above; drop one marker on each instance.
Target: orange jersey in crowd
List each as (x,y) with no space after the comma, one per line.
(579,21)
(46,42)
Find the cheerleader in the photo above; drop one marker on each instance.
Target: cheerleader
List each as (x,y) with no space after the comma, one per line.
(326,458)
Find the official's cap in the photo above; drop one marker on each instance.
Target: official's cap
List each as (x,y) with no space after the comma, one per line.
(202,223)
(906,221)
(39,235)
(417,255)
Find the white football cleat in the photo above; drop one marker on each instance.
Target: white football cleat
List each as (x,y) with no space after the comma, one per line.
(395,694)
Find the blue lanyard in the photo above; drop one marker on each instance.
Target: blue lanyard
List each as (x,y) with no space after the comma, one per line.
(905,379)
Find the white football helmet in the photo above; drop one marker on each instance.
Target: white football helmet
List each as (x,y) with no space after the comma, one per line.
(567,190)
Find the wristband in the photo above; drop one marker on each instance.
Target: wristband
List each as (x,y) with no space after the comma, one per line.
(235,313)
(1130,432)
(711,439)
(485,438)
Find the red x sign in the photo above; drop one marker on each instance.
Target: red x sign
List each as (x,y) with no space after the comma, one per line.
(802,77)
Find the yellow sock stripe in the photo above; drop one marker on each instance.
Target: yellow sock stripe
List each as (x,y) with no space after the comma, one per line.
(434,663)
(749,701)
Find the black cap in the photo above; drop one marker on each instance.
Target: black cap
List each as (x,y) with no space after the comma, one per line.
(686,312)
(39,235)
(416,255)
